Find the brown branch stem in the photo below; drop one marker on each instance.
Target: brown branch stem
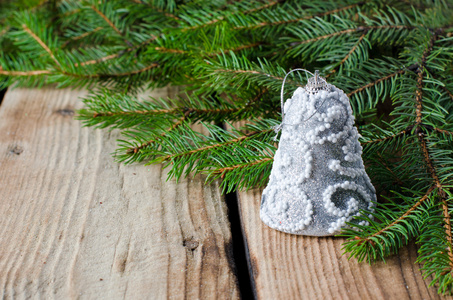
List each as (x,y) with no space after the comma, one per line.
(350,30)
(75,38)
(240,166)
(402,217)
(24,73)
(450,94)
(151,66)
(252,72)
(239,48)
(347,55)
(387,137)
(5,30)
(223,18)
(169,15)
(47,72)
(112,56)
(110,24)
(187,113)
(424,147)
(443,131)
(267,5)
(150,142)
(376,82)
(239,139)
(168,50)
(398,180)
(162,111)
(41,43)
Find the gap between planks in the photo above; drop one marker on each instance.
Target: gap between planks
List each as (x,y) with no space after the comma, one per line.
(2,95)
(286,266)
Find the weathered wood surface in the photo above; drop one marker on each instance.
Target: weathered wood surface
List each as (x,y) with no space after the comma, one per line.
(75,224)
(285,266)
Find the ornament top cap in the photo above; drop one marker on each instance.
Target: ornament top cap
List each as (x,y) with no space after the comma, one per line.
(316,83)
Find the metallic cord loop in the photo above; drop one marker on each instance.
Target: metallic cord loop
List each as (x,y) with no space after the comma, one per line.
(314,86)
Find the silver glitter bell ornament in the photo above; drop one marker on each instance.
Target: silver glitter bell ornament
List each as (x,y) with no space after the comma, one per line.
(318,181)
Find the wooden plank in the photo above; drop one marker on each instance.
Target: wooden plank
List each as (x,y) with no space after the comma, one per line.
(75,224)
(285,266)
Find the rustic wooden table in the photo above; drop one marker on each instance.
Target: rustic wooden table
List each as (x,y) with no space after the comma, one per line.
(75,224)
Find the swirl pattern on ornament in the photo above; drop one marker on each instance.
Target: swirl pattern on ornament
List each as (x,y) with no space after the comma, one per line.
(318,181)
(352,205)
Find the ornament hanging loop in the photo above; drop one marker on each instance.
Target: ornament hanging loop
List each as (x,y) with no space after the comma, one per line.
(314,84)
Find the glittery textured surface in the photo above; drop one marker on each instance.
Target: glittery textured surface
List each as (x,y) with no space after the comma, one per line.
(318,181)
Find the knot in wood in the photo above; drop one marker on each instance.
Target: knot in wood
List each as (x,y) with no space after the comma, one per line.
(190,244)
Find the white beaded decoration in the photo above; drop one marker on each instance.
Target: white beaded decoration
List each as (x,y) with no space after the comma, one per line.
(318,182)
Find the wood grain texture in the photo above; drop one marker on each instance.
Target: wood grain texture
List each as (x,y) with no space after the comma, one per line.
(76,224)
(285,266)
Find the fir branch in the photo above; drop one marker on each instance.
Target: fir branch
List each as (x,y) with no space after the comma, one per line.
(87,76)
(79,37)
(167,50)
(257,97)
(116,55)
(41,43)
(428,160)
(103,16)
(438,184)
(4,30)
(249,72)
(447,220)
(204,24)
(358,90)
(135,112)
(150,142)
(164,111)
(124,74)
(24,73)
(187,112)
(418,111)
(424,147)
(347,55)
(223,18)
(236,49)
(244,70)
(213,146)
(224,170)
(99,60)
(398,180)
(267,5)
(443,131)
(388,137)
(351,30)
(326,36)
(401,218)
(167,14)
(331,12)
(449,93)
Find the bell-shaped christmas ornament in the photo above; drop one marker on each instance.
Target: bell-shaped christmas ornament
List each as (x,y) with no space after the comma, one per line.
(318,181)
